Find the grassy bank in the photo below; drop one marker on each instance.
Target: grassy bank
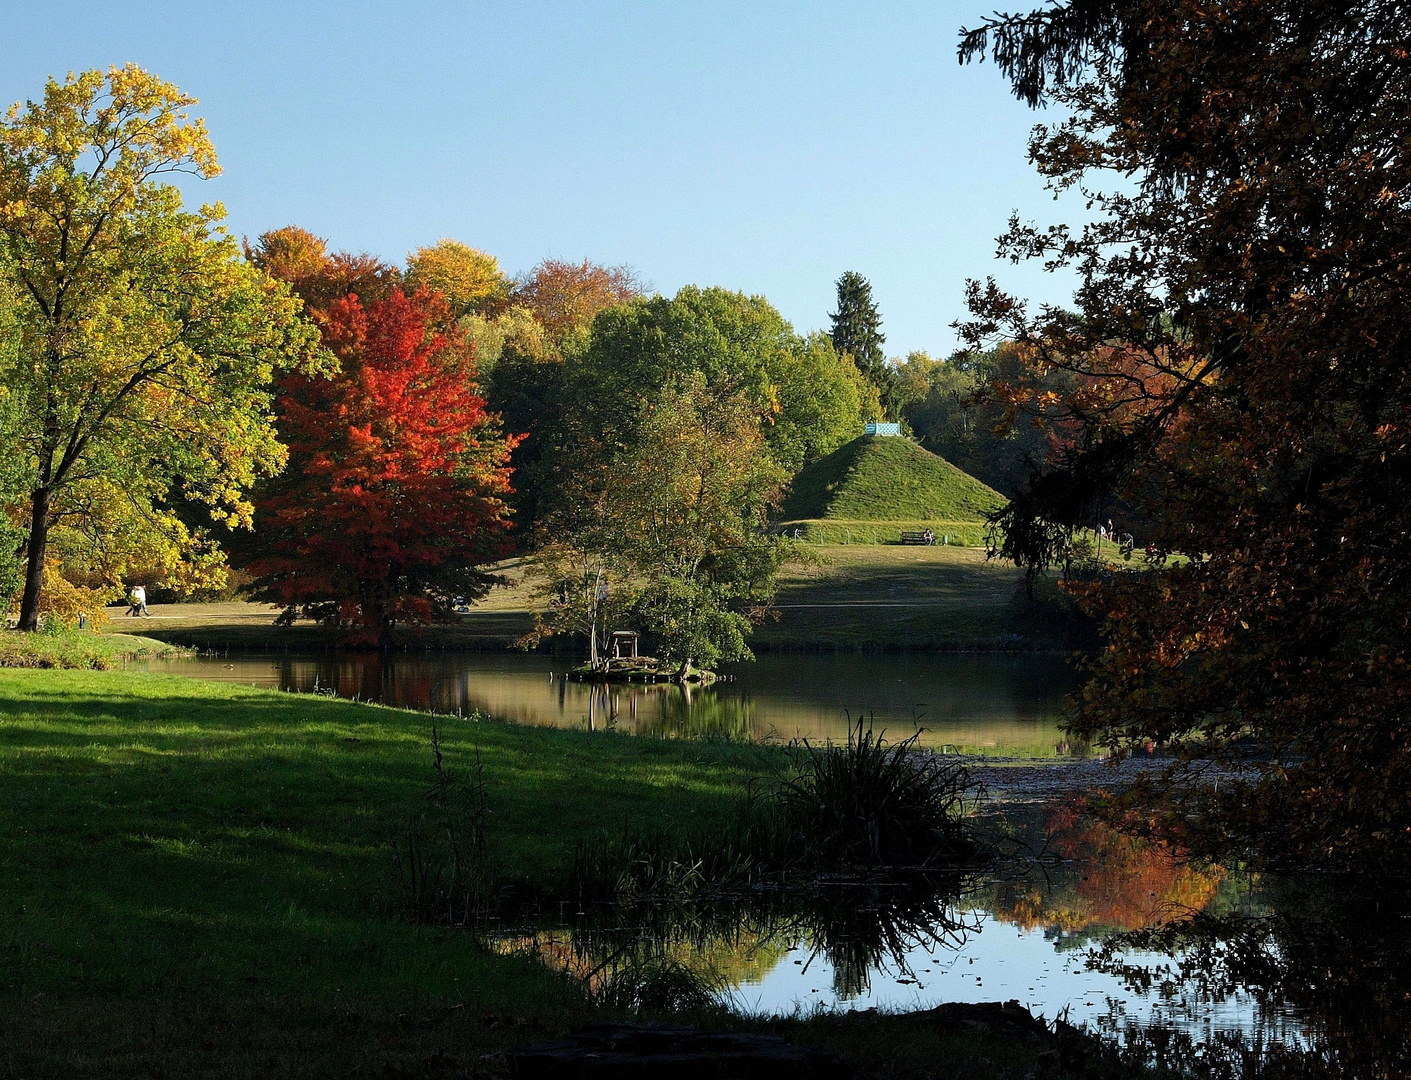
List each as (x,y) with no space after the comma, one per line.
(76,649)
(200,873)
(855,597)
(198,881)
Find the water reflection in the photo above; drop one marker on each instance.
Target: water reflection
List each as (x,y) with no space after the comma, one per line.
(1327,957)
(1233,974)
(842,931)
(988,704)
(1098,881)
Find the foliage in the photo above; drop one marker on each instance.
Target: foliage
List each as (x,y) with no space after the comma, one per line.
(144,345)
(514,334)
(12,541)
(565,297)
(857,331)
(301,259)
(396,490)
(1238,376)
(470,280)
(677,520)
(823,401)
(958,408)
(804,396)
(887,479)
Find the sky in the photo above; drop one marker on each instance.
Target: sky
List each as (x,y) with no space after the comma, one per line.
(765,146)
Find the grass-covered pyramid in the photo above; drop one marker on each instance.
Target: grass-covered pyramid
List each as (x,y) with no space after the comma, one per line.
(874,488)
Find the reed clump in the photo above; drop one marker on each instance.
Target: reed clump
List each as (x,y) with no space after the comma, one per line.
(866,806)
(871,803)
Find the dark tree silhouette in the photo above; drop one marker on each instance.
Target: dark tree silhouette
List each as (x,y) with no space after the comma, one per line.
(1239,377)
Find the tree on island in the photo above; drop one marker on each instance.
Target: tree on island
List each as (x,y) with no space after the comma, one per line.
(142,347)
(1239,378)
(671,536)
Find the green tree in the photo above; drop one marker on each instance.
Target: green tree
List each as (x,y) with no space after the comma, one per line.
(857,331)
(674,535)
(145,344)
(807,399)
(823,401)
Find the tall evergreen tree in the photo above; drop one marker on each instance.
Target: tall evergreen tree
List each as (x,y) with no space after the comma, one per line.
(857,330)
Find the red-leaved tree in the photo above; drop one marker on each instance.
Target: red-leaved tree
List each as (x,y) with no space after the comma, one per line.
(394,497)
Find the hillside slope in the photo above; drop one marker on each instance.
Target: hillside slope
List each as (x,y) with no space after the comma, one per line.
(887,479)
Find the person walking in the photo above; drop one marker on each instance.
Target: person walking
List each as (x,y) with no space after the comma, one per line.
(138,602)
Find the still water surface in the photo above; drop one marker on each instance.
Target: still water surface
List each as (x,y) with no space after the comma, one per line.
(1032,938)
(1003,705)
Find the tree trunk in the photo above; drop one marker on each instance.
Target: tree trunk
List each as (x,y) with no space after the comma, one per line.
(34,554)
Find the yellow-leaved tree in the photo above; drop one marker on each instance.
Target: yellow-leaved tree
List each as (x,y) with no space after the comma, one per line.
(470,280)
(141,345)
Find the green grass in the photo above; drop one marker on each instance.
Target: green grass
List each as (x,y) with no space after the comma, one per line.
(848,531)
(206,849)
(197,882)
(75,649)
(887,479)
(915,599)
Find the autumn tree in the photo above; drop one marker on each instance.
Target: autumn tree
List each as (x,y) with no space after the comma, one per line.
(470,280)
(1238,375)
(143,345)
(962,408)
(565,296)
(320,277)
(395,494)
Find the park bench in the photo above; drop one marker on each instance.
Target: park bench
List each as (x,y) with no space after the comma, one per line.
(918,537)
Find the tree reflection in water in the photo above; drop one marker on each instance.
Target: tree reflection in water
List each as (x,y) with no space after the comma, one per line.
(1100,880)
(1329,958)
(857,926)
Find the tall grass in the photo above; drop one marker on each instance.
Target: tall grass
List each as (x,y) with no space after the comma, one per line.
(442,857)
(865,806)
(868,802)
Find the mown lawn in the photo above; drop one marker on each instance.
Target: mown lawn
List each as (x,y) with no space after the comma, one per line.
(871,597)
(190,865)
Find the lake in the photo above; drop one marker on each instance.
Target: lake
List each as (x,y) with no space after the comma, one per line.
(980,703)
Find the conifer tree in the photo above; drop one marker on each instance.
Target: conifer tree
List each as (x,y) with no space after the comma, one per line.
(857,330)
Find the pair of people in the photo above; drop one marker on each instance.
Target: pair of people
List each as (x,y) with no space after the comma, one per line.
(137,601)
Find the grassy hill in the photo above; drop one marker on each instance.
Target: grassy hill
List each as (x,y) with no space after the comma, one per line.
(887,480)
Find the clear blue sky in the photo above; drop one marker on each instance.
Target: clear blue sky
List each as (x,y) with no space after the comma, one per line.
(766,147)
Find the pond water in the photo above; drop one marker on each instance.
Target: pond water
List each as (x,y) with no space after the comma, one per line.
(1029,930)
(991,704)
(1103,931)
